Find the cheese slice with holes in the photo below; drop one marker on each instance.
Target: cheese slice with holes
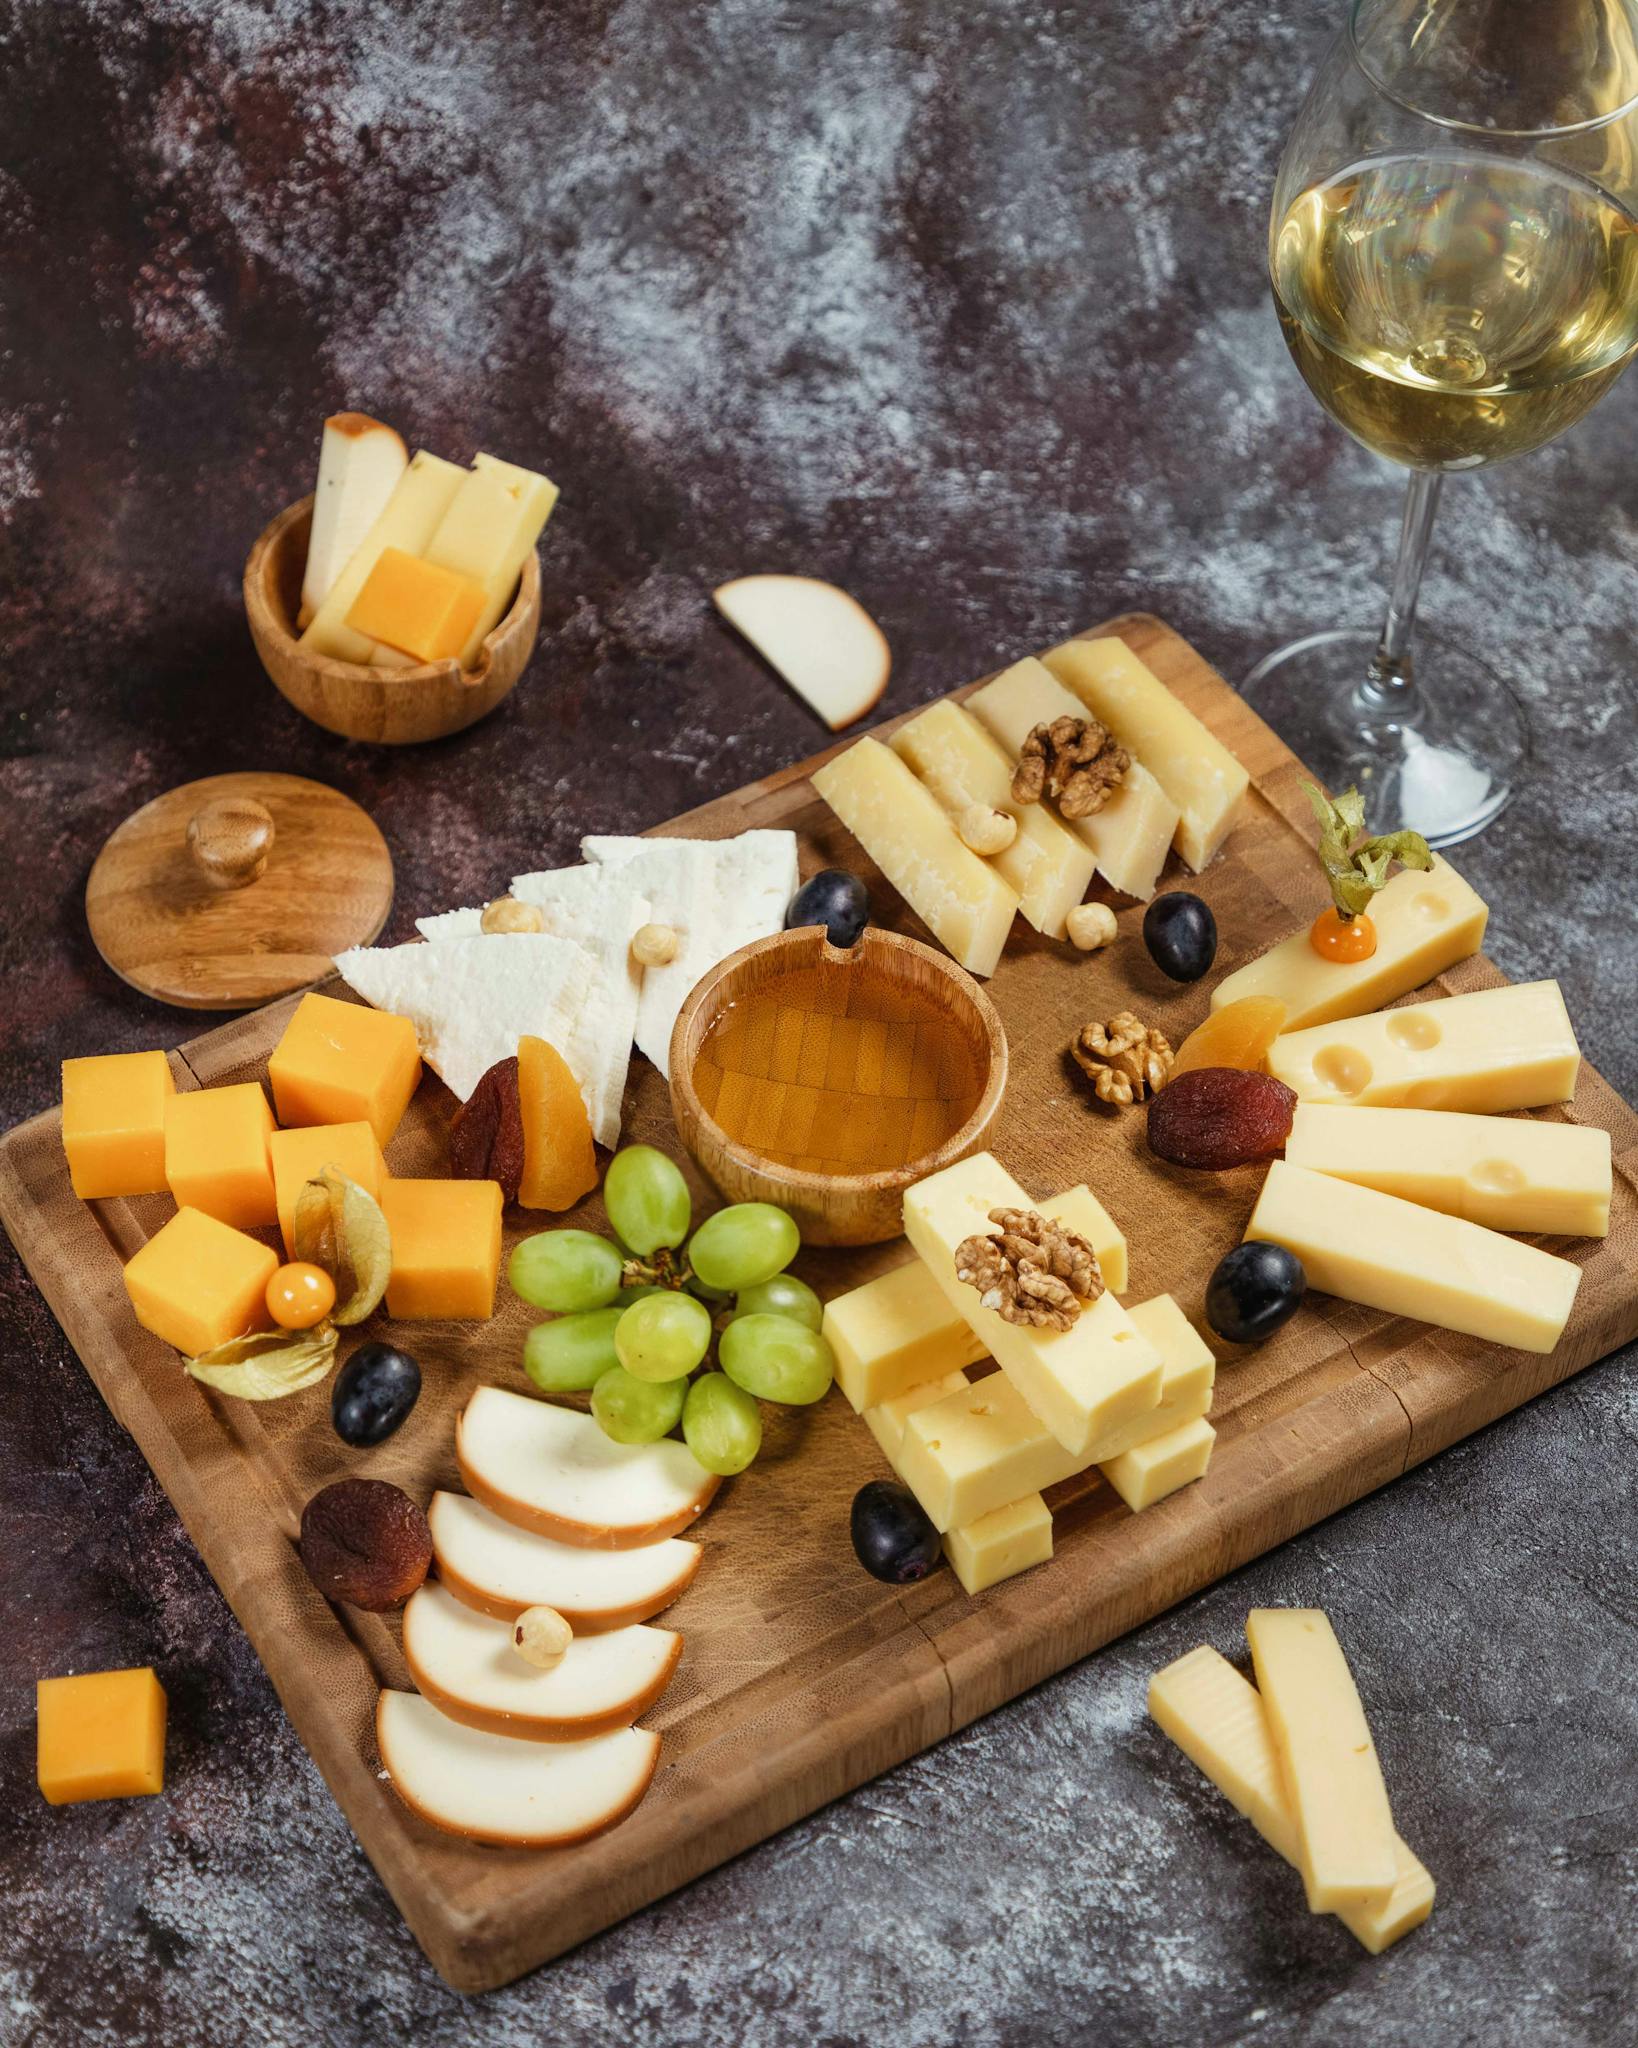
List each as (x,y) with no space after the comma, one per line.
(1391,1254)
(1216,1717)
(963,901)
(886,1419)
(1197,772)
(716,894)
(1000,1544)
(601,909)
(1081,1383)
(472,999)
(1424,924)
(1495,1049)
(1131,836)
(962,764)
(1153,1471)
(1508,1173)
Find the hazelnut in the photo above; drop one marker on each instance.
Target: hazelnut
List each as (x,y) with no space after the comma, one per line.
(541,1637)
(1092,925)
(986,831)
(654,945)
(507,914)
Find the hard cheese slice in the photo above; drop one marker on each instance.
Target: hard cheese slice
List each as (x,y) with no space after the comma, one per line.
(716,894)
(1424,924)
(1216,1717)
(1390,1254)
(1150,1472)
(1346,1845)
(1000,1544)
(962,764)
(1192,765)
(886,1420)
(599,908)
(1130,836)
(472,999)
(423,495)
(963,901)
(1083,1382)
(1508,1173)
(1496,1049)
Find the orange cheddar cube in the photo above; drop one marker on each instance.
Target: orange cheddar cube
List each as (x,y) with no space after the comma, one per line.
(341,1063)
(100,1736)
(114,1123)
(446,1247)
(198,1282)
(217,1153)
(416,606)
(300,1156)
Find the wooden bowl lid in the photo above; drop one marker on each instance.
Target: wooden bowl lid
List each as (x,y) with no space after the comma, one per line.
(229,891)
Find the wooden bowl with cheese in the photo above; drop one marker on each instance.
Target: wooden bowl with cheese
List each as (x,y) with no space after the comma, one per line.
(829,1081)
(395,707)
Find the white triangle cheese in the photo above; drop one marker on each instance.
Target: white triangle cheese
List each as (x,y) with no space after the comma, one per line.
(471,999)
(599,908)
(716,894)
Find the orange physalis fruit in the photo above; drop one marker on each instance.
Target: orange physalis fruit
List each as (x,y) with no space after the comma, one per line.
(1238,1035)
(559,1159)
(300,1296)
(1345,940)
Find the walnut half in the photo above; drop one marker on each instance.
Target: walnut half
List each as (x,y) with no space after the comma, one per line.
(1072,760)
(1125,1060)
(1034,1273)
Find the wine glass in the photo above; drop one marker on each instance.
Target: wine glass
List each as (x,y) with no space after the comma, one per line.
(1454,258)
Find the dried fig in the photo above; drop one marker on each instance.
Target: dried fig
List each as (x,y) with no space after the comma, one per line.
(486,1136)
(365,1542)
(1220,1116)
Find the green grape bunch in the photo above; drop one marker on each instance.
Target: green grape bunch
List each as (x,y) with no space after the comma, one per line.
(637,1317)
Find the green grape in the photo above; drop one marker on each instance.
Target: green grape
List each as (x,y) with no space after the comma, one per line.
(647,1200)
(783,1295)
(628,1295)
(572,1354)
(664,1336)
(777,1360)
(636,1411)
(743,1246)
(722,1425)
(565,1270)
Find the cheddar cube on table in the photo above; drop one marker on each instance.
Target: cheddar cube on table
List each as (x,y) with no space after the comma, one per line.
(341,1063)
(216,1153)
(100,1735)
(114,1123)
(414,605)
(302,1155)
(198,1282)
(446,1247)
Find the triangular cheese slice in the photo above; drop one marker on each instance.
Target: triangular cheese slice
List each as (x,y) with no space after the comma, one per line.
(599,908)
(472,999)
(717,894)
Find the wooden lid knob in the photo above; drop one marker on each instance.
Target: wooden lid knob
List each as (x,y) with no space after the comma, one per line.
(230,839)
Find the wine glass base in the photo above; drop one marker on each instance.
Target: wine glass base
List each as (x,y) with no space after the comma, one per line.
(1446,763)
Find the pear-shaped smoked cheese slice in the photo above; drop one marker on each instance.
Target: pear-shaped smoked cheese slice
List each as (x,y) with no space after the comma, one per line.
(467,1666)
(823,642)
(552,1470)
(498,1569)
(493,1788)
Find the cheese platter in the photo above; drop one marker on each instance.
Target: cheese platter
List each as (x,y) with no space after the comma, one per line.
(799,1674)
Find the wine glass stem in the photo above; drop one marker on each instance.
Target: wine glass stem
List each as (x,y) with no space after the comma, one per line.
(1389,689)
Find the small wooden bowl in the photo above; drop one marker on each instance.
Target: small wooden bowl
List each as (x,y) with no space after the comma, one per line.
(835,1208)
(396,707)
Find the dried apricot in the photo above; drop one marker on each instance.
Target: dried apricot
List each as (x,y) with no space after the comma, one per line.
(365,1542)
(1238,1035)
(1220,1116)
(559,1162)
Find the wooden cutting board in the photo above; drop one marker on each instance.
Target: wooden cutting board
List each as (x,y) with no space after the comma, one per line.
(801,1676)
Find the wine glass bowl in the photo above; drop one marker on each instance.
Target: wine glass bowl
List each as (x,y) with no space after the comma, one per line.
(1454,260)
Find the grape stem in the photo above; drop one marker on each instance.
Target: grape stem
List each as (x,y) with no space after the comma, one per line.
(667,1268)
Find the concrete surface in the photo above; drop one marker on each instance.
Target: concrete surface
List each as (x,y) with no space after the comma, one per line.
(965,310)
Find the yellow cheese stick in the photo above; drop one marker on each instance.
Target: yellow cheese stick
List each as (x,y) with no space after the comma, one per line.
(1216,1718)
(1000,1544)
(411,517)
(1328,1762)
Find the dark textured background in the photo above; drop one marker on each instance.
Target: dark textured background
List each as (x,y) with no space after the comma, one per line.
(963,308)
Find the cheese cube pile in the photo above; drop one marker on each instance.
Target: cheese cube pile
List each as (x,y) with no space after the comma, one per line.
(1125,1390)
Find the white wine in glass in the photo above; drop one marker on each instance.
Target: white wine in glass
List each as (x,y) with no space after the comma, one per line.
(1455,267)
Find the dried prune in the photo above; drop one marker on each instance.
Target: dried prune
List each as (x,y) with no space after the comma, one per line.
(1215,1117)
(486,1135)
(365,1542)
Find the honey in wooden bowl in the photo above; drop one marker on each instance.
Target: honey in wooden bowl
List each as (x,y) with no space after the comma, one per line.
(829,1081)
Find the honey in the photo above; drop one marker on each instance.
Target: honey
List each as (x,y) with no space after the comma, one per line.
(828,1068)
